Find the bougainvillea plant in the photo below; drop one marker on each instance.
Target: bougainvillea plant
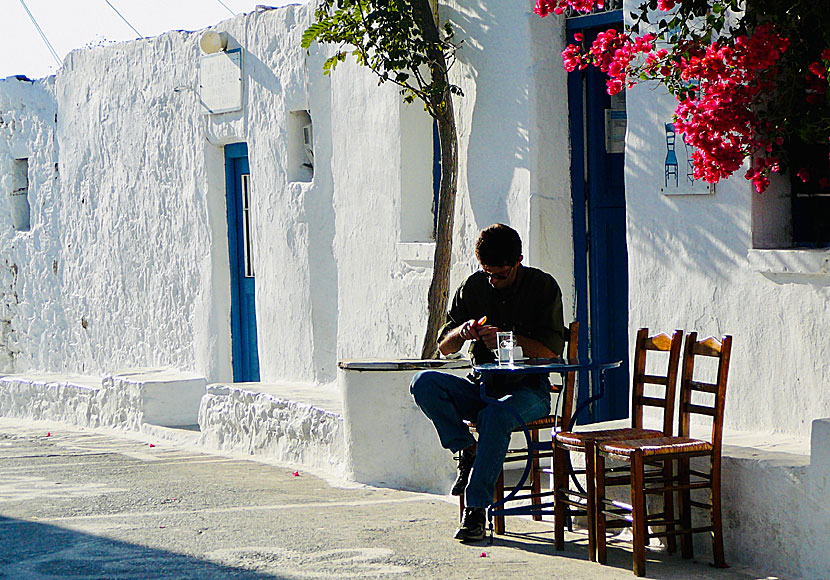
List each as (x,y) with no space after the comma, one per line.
(750,78)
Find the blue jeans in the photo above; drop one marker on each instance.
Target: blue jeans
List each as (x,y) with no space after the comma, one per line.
(448,400)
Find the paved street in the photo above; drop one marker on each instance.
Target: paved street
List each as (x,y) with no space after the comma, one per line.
(84,505)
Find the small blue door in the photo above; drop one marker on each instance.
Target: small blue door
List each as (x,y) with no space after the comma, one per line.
(240,252)
(600,251)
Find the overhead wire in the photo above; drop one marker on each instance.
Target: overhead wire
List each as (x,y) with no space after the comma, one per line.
(226,7)
(42,35)
(122,18)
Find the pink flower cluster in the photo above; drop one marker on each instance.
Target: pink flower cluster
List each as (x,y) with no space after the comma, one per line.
(545,7)
(724,83)
(720,119)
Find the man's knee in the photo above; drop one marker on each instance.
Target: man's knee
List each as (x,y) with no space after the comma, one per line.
(422,383)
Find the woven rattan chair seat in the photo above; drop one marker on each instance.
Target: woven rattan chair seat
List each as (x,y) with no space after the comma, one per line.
(656,446)
(578,439)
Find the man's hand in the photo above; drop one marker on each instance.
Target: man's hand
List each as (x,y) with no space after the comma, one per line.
(487,333)
(471,330)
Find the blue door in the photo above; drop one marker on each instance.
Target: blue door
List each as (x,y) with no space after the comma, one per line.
(240,251)
(600,253)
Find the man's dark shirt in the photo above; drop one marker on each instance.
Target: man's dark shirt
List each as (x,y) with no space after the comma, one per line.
(531,307)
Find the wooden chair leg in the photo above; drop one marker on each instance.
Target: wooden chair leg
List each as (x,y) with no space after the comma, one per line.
(717,529)
(686,546)
(599,493)
(591,506)
(560,487)
(535,475)
(638,502)
(498,521)
(668,506)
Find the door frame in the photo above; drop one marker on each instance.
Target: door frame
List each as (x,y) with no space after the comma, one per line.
(245,365)
(614,404)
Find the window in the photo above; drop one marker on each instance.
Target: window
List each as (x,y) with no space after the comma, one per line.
(810,195)
(20,195)
(795,212)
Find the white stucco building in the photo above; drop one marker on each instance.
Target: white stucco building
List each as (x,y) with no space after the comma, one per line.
(114,226)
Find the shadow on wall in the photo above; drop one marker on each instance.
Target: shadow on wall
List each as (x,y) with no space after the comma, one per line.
(35,550)
(709,234)
(498,142)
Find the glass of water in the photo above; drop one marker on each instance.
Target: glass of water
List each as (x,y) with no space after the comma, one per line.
(505,341)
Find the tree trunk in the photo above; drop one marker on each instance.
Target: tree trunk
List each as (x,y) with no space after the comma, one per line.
(444,114)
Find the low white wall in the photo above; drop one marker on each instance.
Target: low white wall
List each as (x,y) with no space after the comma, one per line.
(389,441)
(257,420)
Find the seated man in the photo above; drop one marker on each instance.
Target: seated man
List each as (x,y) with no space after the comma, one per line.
(511,297)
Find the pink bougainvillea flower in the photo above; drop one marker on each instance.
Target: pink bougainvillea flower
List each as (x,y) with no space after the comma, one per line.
(49,434)
(665,4)
(152,444)
(818,69)
(578,37)
(483,555)
(296,474)
(825,54)
(803,175)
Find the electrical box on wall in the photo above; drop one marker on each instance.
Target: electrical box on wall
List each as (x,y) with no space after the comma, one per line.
(300,146)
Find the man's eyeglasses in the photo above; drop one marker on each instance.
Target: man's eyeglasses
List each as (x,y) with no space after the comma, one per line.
(496,275)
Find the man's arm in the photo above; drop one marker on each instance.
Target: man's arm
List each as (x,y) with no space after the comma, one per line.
(533,348)
(452,341)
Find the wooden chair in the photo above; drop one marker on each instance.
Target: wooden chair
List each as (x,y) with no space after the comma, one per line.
(638,452)
(553,421)
(584,441)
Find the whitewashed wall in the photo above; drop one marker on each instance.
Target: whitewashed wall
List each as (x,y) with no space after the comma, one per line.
(29,260)
(692,266)
(127,261)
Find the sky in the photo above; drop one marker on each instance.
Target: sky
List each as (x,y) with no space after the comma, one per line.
(71,24)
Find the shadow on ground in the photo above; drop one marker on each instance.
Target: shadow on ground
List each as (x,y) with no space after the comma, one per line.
(34,551)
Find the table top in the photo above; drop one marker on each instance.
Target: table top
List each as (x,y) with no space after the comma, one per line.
(548,365)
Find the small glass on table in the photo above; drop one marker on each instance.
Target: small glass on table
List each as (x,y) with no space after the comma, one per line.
(504,352)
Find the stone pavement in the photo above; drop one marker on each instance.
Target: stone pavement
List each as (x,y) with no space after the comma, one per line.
(81,505)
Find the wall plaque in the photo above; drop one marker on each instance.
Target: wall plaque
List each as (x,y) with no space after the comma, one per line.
(220,81)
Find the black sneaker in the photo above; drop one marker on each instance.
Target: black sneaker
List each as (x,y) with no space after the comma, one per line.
(465,464)
(472,525)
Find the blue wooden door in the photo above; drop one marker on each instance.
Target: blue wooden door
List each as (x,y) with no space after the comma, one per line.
(240,251)
(600,253)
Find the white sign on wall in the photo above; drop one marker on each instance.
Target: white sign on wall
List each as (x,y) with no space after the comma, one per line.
(220,81)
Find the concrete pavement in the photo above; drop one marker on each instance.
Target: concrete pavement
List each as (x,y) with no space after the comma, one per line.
(81,505)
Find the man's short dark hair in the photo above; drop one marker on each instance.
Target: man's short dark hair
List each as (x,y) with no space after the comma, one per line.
(498,245)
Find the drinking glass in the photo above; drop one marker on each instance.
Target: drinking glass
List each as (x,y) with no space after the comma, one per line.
(505,343)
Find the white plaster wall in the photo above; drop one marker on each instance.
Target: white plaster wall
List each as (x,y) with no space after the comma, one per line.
(127,262)
(29,259)
(513,135)
(689,268)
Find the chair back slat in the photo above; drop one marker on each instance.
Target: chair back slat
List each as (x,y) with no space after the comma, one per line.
(661,342)
(702,410)
(569,386)
(714,348)
(703,387)
(653,402)
(654,380)
(710,346)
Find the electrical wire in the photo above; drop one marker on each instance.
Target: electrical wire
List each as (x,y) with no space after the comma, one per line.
(42,35)
(122,18)
(226,7)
